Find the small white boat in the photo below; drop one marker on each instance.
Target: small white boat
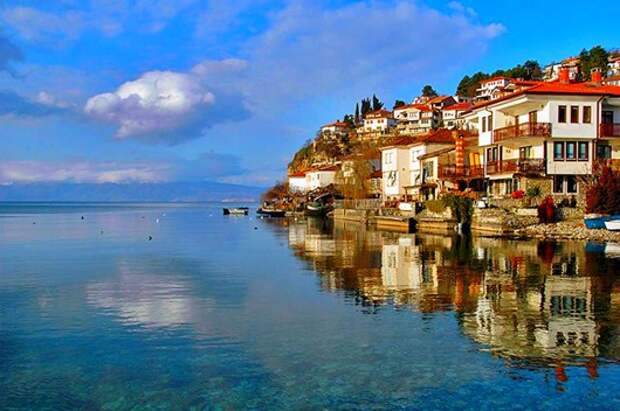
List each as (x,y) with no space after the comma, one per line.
(612,250)
(613,225)
(236,211)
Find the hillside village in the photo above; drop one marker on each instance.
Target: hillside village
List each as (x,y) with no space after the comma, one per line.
(499,138)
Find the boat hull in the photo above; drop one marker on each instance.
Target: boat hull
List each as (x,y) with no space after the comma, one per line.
(597,222)
(236,211)
(271,213)
(613,225)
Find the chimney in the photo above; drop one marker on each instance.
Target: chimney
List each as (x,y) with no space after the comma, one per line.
(596,75)
(564,75)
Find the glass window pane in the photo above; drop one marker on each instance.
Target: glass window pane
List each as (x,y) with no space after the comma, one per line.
(558,151)
(574,114)
(587,114)
(583,151)
(570,151)
(562,114)
(558,184)
(571,184)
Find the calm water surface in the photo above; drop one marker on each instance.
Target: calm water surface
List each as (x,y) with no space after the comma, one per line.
(219,312)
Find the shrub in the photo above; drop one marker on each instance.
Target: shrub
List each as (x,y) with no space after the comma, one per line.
(517,195)
(435,206)
(533,191)
(462,206)
(547,211)
(603,193)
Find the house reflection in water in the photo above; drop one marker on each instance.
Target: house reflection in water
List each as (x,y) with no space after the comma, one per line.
(528,302)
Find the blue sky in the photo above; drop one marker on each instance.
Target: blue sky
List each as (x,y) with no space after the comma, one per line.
(153,90)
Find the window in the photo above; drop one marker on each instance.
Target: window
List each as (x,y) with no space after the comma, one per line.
(587,115)
(492,154)
(525,152)
(574,114)
(603,151)
(558,184)
(484,124)
(582,153)
(571,184)
(570,151)
(490,122)
(558,151)
(388,158)
(561,114)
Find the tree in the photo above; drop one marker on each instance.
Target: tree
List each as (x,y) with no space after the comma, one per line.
(357,113)
(596,57)
(399,103)
(429,91)
(366,107)
(376,103)
(532,70)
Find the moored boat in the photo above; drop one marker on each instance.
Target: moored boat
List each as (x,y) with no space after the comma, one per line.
(612,225)
(597,221)
(270,212)
(318,209)
(236,211)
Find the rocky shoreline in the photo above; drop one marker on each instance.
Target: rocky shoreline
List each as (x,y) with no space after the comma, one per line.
(566,230)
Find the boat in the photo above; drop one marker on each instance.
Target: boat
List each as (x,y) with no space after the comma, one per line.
(597,221)
(612,225)
(270,212)
(236,211)
(612,250)
(318,209)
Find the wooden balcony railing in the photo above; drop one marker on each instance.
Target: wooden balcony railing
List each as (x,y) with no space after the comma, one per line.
(609,130)
(452,171)
(505,166)
(522,130)
(531,166)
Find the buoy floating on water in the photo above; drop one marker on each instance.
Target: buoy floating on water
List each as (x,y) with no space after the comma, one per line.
(150,238)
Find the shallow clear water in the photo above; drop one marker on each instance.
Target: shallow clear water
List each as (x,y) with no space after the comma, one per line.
(219,312)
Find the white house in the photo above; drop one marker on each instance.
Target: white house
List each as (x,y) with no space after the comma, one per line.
(551,72)
(335,127)
(415,118)
(297,182)
(451,115)
(378,121)
(321,177)
(550,131)
(403,174)
(488,87)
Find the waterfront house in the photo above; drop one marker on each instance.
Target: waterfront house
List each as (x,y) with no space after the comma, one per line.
(403,175)
(548,134)
(321,177)
(297,182)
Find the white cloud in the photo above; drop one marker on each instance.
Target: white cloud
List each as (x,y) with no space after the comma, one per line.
(37,25)
(159,101)
(14,172)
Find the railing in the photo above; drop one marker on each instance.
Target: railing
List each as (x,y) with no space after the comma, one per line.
(531,166)
(609,130)
(522,130)
(505,166)
(453,171)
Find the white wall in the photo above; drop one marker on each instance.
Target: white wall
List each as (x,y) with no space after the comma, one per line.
(297,184)
(316,179)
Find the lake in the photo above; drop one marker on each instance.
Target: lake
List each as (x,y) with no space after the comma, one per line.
(175,306)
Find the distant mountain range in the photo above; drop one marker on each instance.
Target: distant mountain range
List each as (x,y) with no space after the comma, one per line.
(154,192)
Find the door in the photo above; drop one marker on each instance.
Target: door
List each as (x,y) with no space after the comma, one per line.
(533,117)
(608,117)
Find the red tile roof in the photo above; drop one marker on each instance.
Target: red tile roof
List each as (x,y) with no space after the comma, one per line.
(441,136)
(298,174)
(458,107)
(379,114)
(341,124)
(438,99)
(555,87)
(417,106)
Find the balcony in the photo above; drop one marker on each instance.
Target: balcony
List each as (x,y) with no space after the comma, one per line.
(522,130)
(523,166)
(609,130)
(531,166)
(452,171)
(505,166)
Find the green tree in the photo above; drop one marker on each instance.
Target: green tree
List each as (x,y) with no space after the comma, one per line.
(376,103)
(428,91)
(357,113)
(596,57)
(399,103)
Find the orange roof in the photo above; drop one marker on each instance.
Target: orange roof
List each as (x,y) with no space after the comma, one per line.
(438,99)
(378,114)
(417,106)
(298,174)
(441,136)
(458,107)
(555,87)
(337,124)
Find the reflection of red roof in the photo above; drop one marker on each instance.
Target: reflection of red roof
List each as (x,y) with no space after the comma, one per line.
(379,114)
(458,107)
